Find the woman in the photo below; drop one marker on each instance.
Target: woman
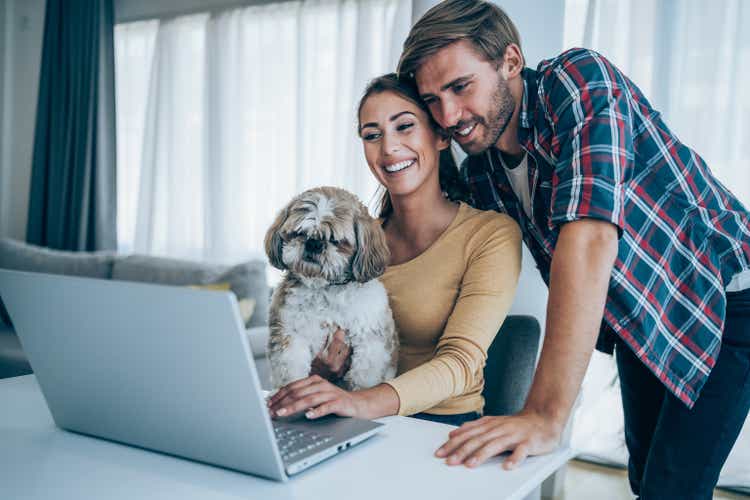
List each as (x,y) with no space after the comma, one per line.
(450,281)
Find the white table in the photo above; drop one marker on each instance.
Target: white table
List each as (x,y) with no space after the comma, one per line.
(41,461)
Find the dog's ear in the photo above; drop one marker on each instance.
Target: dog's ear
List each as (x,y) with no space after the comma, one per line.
(273,242)
(372,253)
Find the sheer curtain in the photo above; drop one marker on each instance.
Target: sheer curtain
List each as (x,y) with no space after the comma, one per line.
(224,116)
(692,60)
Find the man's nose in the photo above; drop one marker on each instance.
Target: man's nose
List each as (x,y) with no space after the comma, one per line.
(450,113)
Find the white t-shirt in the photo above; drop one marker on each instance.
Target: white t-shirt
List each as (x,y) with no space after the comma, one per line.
(519,181)
(740,282)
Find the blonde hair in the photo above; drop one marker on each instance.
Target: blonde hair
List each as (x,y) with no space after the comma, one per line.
(486,26)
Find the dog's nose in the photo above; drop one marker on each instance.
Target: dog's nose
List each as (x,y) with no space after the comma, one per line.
(313,246)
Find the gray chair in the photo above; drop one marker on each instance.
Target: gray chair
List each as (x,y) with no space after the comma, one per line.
(511,361)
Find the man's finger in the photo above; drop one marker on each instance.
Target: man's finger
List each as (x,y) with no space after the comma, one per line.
(450,446)
(469,446)
(470,425)
(488,450)
(517,457)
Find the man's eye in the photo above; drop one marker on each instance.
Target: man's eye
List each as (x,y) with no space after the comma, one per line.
(460,87)
(429,101)
(404,126)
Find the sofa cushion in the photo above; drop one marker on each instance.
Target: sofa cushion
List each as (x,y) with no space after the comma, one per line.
(21,256)
(246,280)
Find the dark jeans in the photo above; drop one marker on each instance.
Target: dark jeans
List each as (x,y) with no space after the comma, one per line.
(677,453)
(456,420)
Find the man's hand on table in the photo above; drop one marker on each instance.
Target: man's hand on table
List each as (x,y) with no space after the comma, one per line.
(524,434)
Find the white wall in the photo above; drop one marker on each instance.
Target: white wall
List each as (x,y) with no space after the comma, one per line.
(22,34)
(540,23)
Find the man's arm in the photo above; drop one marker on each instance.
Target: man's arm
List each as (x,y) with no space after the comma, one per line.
(581,267)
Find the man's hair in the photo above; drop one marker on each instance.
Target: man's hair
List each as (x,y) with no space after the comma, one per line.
(486,26)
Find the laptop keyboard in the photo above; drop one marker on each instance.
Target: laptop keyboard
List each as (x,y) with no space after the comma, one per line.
(294,441)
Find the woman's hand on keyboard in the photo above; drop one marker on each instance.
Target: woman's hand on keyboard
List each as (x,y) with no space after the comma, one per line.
(317,397)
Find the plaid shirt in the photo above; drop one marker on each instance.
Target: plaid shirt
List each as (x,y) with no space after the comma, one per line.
(596,149)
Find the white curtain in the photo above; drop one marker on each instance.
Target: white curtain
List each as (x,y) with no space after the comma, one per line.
(691,59)
(224,116)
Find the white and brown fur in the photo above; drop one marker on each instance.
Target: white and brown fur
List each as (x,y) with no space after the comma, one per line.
(332,252)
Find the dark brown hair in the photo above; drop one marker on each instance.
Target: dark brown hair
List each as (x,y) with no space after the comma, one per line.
(486,26)
(450,181)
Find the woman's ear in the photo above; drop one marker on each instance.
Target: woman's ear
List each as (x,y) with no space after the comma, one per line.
(273,242)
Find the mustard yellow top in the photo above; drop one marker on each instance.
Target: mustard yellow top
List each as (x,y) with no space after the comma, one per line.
(448,304)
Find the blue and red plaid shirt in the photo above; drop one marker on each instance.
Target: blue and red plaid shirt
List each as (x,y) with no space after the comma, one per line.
(597,149)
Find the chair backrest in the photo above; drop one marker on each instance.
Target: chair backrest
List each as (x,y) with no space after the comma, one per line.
(511,362)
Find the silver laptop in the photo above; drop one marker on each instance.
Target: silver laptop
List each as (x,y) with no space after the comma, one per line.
(164,368)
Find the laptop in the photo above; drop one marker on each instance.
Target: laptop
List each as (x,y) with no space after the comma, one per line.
(163,368)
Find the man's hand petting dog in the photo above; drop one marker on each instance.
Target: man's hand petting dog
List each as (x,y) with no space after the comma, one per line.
(317,397)
(334,360)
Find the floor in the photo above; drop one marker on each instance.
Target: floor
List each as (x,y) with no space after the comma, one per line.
(585,481)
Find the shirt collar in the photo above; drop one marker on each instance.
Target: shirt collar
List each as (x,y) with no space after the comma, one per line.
(528,104)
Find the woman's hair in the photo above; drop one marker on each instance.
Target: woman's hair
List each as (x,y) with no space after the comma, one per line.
(450,181)
(486,26)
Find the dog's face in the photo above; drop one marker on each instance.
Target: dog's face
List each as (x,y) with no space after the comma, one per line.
(326,234)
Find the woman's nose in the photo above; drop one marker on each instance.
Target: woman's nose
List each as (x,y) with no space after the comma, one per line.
(390,144)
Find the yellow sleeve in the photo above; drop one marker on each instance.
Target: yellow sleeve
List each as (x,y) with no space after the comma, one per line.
(486,294)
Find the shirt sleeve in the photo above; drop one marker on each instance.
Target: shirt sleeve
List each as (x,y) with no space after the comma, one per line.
(587,102)
(486,294)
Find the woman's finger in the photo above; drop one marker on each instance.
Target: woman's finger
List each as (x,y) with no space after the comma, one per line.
(299,393)
(305,403)
(284,391)
(335,406)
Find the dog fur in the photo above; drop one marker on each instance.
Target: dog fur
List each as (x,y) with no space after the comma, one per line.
(332,252)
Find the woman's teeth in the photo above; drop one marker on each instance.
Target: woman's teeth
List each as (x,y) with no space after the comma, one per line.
(399,166)
(466,131)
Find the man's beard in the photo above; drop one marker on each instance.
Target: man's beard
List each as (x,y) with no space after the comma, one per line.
(502,106)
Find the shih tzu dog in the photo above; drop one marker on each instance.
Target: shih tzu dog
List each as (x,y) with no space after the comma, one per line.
(332,252)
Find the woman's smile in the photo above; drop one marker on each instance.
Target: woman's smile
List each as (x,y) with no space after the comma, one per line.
(394,168)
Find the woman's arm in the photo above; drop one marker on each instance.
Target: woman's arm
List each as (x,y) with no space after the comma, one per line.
(487,290)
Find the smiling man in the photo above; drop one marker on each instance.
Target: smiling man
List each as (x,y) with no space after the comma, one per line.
(643,250)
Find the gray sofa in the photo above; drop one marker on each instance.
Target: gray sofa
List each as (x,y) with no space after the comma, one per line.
(246,280)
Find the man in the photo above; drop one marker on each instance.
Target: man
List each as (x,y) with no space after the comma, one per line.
(640,246)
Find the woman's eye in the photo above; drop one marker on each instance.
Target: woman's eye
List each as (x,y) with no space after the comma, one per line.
(371,136)
(404,126)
